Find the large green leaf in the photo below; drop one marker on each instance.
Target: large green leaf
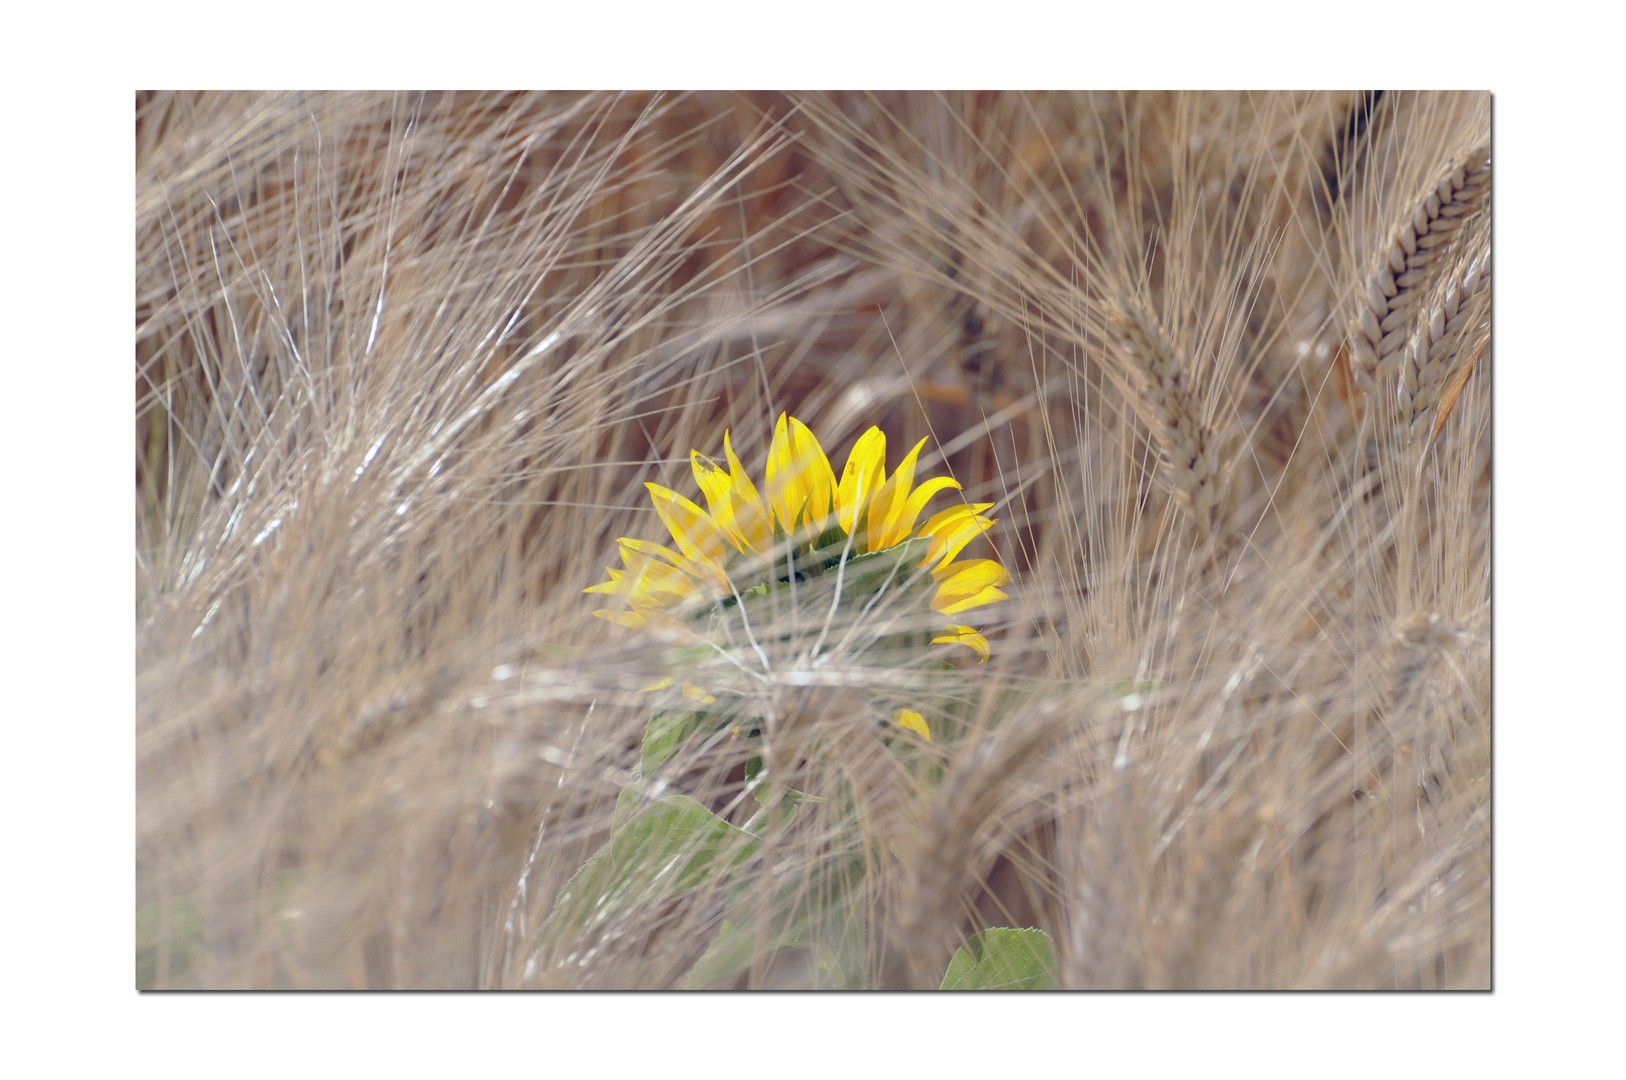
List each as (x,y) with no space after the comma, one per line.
(729,953)
(660,849)
(818,905)
(821,908)
(661,738)
(757,783)
(1003,959)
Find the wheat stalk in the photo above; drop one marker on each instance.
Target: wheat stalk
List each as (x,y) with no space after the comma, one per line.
(1430,357)
(1406,264)
(1189,452)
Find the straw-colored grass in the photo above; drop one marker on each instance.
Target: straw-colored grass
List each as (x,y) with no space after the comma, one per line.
(405,362)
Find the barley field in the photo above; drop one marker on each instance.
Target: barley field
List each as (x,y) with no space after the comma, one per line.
(1199,384)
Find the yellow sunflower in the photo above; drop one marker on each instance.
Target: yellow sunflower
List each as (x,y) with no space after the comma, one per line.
(860,535)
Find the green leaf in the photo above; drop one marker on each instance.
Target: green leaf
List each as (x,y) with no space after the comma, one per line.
(678,827)
(661,849)
(893,566)
(842,952)
(1003,959)
(762,820)
(756,782)
(626,804)
(662,736)
(729,953)
(821,908)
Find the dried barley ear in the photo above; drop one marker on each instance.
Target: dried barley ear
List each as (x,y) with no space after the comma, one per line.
(1408,262)
(1190,452)
(1457,318)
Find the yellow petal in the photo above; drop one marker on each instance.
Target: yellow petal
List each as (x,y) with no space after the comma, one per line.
(989,595)
(649,550)
(889,502)
(630,619)
(662,683)
(943,518)
(647,579)
(613,586)
(951,531)
(965,635)
(908,718)
(781,489)
(817,475)
(953,541)
(866,467)
(657,575)
(972,584)
(800,482)
(694,693)
(718,487)
(750,513)
(917,503)
(974,574)
(692,529)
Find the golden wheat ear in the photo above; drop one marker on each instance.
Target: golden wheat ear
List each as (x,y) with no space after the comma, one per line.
(1189,447)
(1432,357)
(1408,262)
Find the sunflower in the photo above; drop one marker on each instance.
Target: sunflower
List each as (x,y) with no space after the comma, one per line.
(858,537)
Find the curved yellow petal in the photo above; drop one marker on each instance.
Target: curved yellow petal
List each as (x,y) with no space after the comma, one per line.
(890,500)
(989,595)
(692,528)
(972,584)
(650,549)
(718,487)
(908,718)
(695,693)
(938,521)
(750,513)
(800,481)
(660,576)
(954,541)
(780,489)
(630,619)
(917,503)
(613,586)
(817,474)
(951,531)
(965,635)
(866,468)
(974,574)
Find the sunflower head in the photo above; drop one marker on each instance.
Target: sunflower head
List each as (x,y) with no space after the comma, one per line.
(807,546)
